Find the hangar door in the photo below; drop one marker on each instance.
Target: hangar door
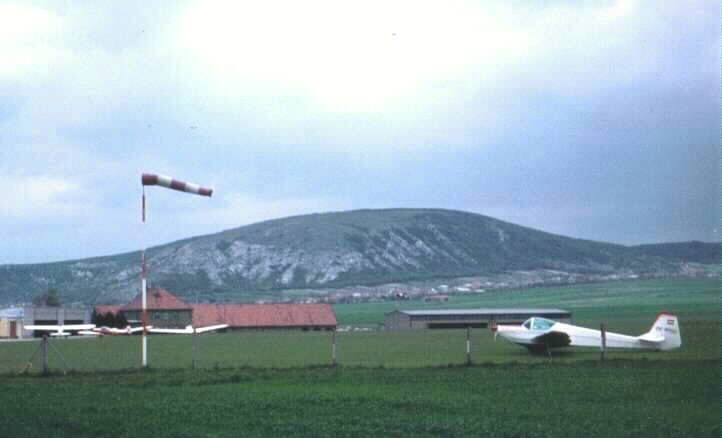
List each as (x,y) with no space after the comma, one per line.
(456,325)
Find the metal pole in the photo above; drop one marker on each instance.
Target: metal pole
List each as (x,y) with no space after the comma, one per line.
(44,354)
(603,345)
(193,347)
(143,286)
(468,345)
(164,181)
(333,349)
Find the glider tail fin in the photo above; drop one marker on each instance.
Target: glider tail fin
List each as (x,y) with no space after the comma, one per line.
(666,326)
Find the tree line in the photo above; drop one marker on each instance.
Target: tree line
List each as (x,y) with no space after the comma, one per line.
(109,319)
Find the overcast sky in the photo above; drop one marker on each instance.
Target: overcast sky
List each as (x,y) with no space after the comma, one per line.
(592,119)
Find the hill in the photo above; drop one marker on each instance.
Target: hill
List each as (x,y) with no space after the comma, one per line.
(338,249)
(691,252)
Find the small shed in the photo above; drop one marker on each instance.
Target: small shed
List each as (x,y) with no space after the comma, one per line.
(11,323)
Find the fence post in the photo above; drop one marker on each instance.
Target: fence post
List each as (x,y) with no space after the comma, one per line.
(603,344)
(333,349)
(468,345)
(44,354)
(193,347)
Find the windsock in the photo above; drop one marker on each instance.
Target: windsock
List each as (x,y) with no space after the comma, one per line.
(150,179)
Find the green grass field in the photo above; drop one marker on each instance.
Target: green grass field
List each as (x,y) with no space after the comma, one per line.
(614,399)
(388,383)
(589,303)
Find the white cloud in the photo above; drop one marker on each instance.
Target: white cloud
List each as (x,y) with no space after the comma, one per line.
(392,57)
(39,197)
(30,40)
(316,106)
(369,56)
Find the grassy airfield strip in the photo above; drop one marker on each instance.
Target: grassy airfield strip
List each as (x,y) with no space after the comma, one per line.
(621,398)
(389,383)
(625,307)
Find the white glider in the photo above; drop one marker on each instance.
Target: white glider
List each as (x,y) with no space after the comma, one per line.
(128,330)
(189,330)
(60,330)
(89,333)
(541,334)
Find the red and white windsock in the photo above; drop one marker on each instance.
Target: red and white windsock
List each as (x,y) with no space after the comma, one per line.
(150,179)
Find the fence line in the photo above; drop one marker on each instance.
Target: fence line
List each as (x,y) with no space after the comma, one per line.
(266,349)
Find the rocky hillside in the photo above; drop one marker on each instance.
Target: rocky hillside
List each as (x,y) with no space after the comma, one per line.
(337,249)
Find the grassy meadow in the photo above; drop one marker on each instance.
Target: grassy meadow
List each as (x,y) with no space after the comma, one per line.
(587,399)
(387,383)
(589,303)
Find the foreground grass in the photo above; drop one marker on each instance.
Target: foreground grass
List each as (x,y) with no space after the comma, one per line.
(620,398)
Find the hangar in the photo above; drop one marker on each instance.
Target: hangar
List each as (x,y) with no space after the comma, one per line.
(51,316)
(462,318)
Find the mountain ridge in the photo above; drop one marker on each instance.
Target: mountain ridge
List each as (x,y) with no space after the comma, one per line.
(338,249)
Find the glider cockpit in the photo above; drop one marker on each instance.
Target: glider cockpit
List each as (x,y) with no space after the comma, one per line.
(538,324)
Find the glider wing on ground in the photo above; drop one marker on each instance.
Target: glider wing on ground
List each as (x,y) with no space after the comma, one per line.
(189,330)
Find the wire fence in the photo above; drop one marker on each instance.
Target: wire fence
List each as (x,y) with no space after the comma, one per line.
(261,349)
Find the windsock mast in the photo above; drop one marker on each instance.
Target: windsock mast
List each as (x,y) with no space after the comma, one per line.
(152,179)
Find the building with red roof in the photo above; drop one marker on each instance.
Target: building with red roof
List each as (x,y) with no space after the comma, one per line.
(103,308)
(266,316)
(167,310)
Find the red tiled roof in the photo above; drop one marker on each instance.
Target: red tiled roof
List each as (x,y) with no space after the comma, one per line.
(235,315)
(107,309)
(157,298)
(264,315)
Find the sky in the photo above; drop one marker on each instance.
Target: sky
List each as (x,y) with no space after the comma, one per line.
(592,119)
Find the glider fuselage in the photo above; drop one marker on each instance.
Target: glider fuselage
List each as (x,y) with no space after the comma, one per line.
(543,334)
